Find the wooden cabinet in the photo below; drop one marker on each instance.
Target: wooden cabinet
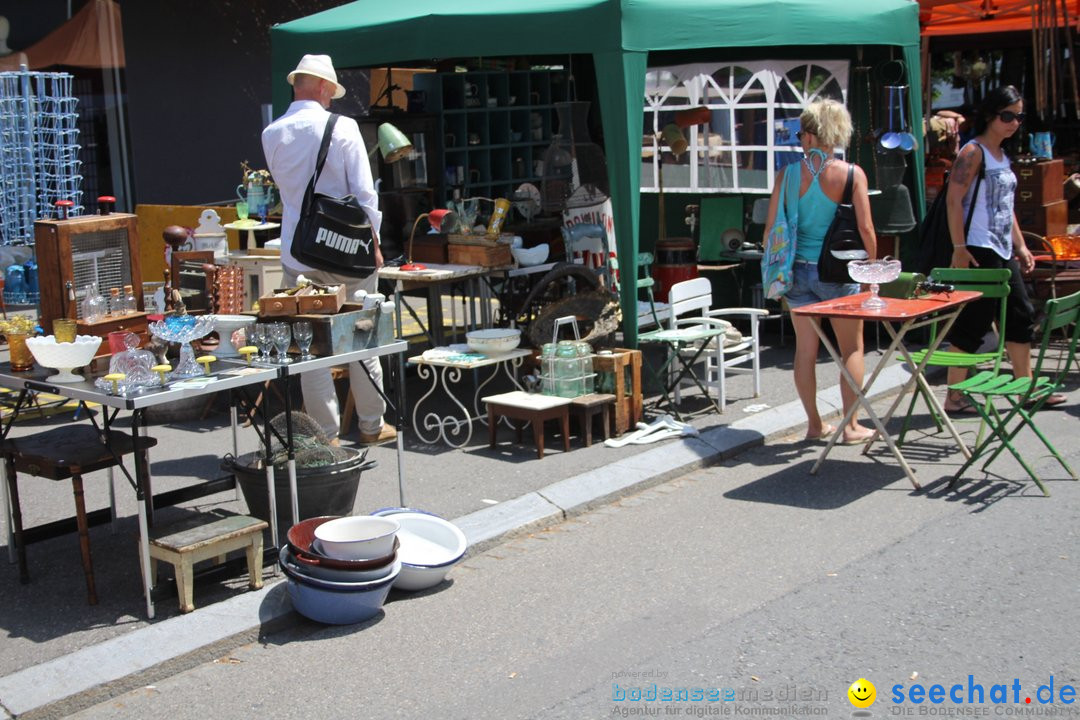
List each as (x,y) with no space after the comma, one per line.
(493,128)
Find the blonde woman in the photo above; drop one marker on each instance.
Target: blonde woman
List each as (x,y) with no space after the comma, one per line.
(820,179)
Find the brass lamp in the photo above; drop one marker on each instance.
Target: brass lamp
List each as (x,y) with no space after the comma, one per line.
(437,219)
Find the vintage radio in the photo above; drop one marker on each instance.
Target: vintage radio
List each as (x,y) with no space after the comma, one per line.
(75,252)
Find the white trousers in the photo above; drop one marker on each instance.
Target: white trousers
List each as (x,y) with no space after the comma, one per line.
(317,386)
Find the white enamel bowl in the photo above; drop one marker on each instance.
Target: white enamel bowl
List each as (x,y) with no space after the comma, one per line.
(339,603)
(430,547)
(64,356)
(493,340)
(531,256)
(357,537)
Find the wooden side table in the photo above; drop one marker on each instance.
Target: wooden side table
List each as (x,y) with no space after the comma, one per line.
(527,407)
(587,407)
(188,542)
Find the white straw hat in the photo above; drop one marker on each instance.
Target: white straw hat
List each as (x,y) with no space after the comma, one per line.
(321,66)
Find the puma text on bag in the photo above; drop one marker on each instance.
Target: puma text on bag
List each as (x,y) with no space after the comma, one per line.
(333,234)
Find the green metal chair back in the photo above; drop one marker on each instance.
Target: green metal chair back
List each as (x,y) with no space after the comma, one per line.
(993,284)
(1025,396)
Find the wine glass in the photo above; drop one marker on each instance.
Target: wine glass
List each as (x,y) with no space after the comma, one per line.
(874,272)
(281,334)
(303,334)
(263,341)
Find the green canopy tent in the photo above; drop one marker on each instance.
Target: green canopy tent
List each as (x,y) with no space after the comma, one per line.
(619,34)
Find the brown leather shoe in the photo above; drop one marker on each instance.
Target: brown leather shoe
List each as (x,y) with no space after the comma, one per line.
(385,434)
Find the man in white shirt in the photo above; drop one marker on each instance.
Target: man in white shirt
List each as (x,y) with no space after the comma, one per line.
(291,144)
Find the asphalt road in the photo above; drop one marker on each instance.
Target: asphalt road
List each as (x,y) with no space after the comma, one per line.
(751,580)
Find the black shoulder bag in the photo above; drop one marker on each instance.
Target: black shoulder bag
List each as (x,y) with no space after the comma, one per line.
(333,234)
(935,243)
(842,243)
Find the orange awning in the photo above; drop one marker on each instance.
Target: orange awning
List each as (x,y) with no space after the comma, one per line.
(91,38)
(949,17)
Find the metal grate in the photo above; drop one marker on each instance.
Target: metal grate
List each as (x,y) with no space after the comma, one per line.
(99,257)
(39,151)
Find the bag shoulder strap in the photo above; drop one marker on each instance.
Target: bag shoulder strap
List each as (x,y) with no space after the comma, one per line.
(975,194)
(850,182)
(792,177)
(320,160)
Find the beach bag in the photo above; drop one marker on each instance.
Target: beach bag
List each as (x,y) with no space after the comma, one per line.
(935,243)
(842,242)
(333,234)
(779,257)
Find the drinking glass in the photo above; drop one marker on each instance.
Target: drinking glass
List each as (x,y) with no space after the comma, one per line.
(303,334)
(64,330)
(281,334)
(263,341)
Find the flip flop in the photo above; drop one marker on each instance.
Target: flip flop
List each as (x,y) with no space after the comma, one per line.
(965,409)
(1051,401)
(826,432)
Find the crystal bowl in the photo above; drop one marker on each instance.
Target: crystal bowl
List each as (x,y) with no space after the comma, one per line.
(64,356)
(874,272)
(493,340)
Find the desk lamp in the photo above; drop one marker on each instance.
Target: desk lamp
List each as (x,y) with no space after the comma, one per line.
(437,219)
(393,144)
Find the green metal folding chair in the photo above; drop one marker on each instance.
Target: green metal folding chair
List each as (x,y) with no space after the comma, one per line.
(1024,396)
(992,284)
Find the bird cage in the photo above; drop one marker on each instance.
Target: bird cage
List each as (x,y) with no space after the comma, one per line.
(575,171)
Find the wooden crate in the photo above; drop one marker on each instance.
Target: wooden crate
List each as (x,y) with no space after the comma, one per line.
(626,366)
(342,332)
(479,255)
(1046,219)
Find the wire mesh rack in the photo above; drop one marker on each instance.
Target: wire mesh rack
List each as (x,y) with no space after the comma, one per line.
(39,151)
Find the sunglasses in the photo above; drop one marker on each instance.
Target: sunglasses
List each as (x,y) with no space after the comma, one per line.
(800,134)
(1007,116)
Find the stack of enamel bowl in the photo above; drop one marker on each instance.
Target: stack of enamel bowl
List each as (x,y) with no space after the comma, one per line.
(340,569)
(430,547)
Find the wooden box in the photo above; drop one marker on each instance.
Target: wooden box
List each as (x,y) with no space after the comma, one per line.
(430,249)
(1040,183)
(307,304)
(479,255)
(626,367)
(342,332)
(1047,219)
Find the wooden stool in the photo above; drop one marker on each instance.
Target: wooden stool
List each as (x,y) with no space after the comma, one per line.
(59,454)
(586,407)
(190,541)
(536,409)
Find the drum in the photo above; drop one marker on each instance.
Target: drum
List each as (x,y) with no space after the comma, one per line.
(676,260)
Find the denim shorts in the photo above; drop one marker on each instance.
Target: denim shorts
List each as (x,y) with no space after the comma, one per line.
(806,288)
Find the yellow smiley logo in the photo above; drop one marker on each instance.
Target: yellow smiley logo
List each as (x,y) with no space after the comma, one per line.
(862,693)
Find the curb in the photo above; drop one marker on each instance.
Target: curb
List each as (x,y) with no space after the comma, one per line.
(91,675)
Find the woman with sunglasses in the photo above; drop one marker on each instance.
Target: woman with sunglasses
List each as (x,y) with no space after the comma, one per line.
(821,178)
(993,239)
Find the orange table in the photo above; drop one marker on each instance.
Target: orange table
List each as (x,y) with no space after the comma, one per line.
(908,314)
